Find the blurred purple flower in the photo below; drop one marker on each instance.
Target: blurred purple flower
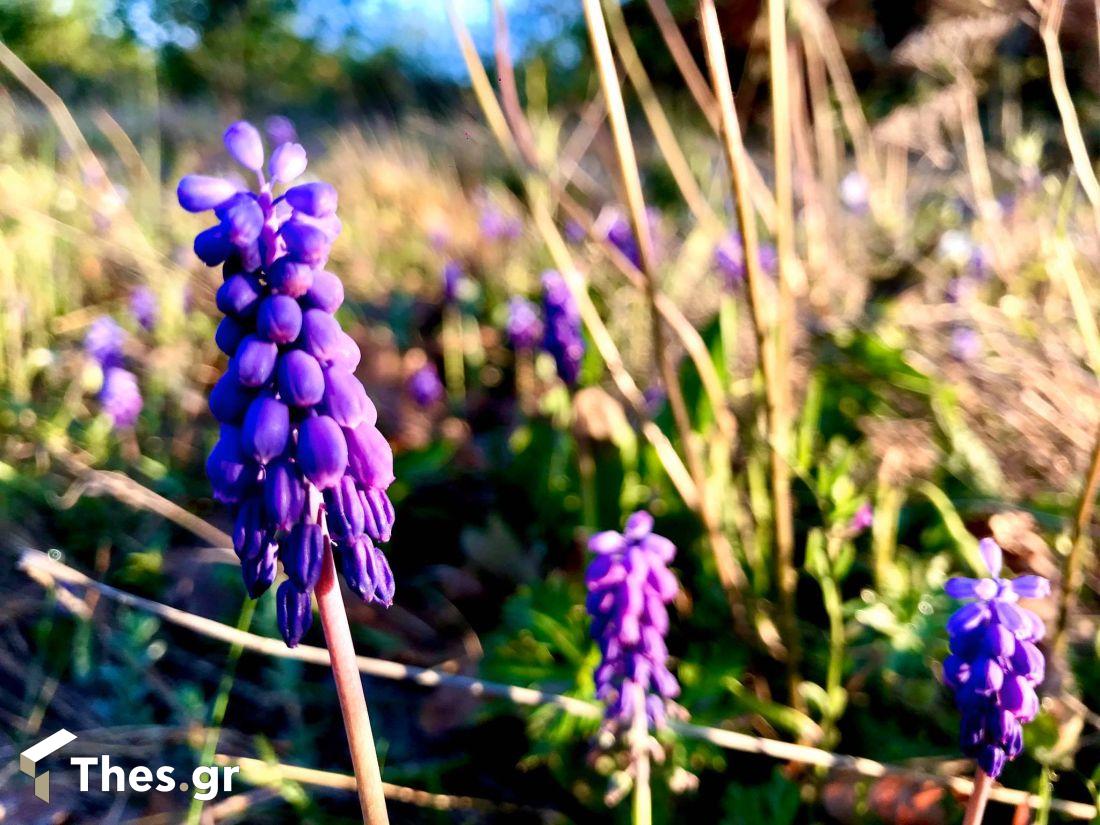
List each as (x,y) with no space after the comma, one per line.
(562,336)
(524,328)
(995,665)
(863,519)
(629,584)
(574,232)
(120,397)
(280,129)
(454,281)
(620,234)
(497,225)
(296,425)
(104,341)
(144,307)
(966,344)
(425,387)
(729,258)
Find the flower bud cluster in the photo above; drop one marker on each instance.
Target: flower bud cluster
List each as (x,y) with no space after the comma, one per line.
(299,457)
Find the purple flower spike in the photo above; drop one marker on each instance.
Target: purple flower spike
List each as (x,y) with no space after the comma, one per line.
(629,584)
(120,397)
(994,666)
(524,328)
(144,308)
(562,336)
(425,387)
(298,428)
(244,145)
(454,280)
(104,341)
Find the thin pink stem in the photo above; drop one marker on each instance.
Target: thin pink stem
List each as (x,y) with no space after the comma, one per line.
(349,687)
(975,809)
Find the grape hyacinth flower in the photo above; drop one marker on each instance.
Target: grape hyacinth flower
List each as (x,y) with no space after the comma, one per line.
(729,259)
(425,387)
(995,664)
(143,306)
(497,225)
(454,281)
(299,459)
(629,584)
(280,129)
(620,234)
(562,336)
(523,328)
(104,341)
(120,397)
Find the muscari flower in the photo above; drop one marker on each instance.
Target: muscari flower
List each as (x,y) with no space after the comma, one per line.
(104,341)
(280,129)
(523,328)
(454,281)
(425,387)
(143,306)
(995,664)
(729,258)
(497,225)
(629,584)
(966,344)
(299,456)
(620,234)
(120,397)
(562,336)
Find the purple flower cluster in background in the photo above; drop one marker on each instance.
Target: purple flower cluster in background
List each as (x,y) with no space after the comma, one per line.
(425,387)
(995,665)
(119,394)
(523,327)
(562,336)
(143,306)
(620,234)
(454,281)
(299,458)
(729,259)
(629,584)
(497,225)
(104,340)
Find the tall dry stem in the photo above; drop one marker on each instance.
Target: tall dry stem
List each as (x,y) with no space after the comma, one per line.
(730,574)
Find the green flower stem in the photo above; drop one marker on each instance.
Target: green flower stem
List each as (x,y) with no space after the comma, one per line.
(221,702)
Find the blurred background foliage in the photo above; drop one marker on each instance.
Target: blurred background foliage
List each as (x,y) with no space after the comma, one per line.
(943,376)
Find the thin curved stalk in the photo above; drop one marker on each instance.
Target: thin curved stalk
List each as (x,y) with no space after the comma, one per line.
(1067,598)
(786,575)
(730,574)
